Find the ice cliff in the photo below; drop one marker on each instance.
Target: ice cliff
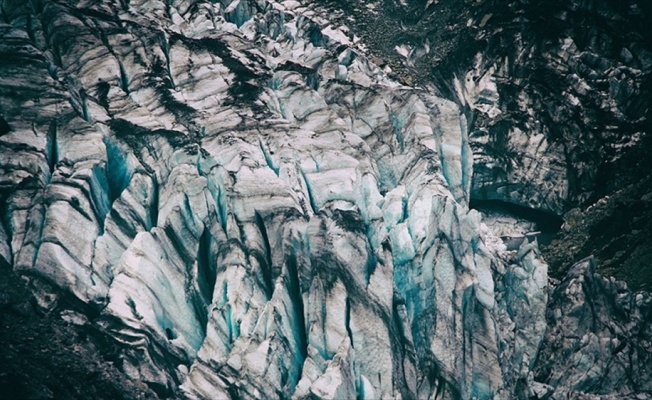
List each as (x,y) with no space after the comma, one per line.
(250,207)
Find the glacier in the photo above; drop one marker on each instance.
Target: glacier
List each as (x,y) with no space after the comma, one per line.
(249,206)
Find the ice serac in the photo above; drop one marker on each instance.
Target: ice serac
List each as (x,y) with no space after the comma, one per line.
(521,292)
(250,208)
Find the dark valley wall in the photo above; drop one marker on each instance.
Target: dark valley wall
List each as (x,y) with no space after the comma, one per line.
(557,96)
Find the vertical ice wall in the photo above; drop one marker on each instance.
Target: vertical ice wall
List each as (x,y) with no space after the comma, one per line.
(251,208)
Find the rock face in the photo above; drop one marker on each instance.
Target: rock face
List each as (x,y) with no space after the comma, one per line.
(557,97)
(615,231)
(604,329)
(247,206)
(58,355)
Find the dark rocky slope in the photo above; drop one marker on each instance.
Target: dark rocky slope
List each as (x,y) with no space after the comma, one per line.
(577,73)
(58,356)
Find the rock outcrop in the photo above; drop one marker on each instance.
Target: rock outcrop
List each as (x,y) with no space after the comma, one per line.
(604,331)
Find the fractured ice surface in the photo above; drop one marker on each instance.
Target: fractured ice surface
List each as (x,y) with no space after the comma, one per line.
(253,209)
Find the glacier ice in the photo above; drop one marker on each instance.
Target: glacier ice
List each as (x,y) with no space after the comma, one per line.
(253,209)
